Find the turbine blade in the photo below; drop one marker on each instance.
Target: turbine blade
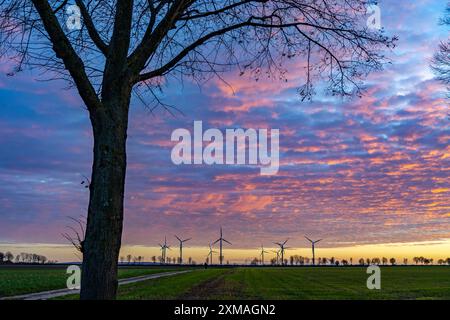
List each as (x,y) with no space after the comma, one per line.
(186,239)
(308,239)
(226,241)
(178,238)
(216,241)
(318,240)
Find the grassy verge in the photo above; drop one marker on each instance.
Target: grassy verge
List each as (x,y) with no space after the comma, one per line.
(28,280)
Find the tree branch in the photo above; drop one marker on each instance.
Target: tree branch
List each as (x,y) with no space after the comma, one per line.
(64,50)
(93,33)
(187,49)
(152,39)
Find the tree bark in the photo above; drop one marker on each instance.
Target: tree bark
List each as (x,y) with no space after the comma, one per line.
(105,213)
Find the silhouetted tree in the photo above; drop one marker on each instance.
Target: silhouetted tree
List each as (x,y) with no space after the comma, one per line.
(76,234)
(9,256)
(376,261)
(2,257)
(130,46)
(441,60)
(392,261)
(361,261)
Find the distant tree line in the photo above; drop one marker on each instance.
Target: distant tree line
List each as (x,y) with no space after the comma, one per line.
(23,257)
(129,259)
(300,260)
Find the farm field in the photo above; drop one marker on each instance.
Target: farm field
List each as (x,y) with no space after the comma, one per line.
(294,283)
(29,279)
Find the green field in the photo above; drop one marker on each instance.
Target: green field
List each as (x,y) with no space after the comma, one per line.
(294,283)
(16,281)
(260,283)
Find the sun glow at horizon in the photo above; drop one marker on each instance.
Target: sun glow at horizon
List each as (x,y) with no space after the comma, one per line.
(428,249)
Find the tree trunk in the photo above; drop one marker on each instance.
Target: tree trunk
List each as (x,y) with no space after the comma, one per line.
(105,213)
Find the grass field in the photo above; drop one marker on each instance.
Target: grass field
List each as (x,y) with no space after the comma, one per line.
(294,283)
(328,283)
(16,281)
(255,283)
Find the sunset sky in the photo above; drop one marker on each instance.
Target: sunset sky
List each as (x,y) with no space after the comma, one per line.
(370,175)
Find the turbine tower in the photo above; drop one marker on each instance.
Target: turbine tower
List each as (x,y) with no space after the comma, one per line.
(164,248)
(313,244)
(181,247)
(278,254)
(210,254)
(282,248)
(262,254)
(220,240)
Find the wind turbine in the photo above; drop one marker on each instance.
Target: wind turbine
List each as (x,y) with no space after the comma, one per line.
(282,248)
(162,252)
(262,254)
(164,248)
(220,240)
(210,254)
(313,244)
(278,254)
(181,247)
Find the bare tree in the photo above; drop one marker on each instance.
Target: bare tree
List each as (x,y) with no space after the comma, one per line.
(76,235)
(130,46)
(440,63)
(9,256)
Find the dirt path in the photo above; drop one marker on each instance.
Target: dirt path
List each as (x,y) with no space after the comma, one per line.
(217,288)
(64,292)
